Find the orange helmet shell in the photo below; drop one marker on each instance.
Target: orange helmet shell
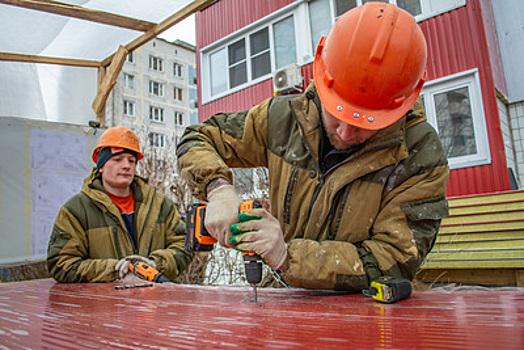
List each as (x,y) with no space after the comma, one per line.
(118,136)
(370,68)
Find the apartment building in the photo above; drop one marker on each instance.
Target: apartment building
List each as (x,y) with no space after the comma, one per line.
(156,93)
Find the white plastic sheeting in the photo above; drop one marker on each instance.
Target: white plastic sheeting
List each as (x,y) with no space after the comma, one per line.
(64,93)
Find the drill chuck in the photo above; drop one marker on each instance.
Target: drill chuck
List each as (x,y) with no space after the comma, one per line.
(253,268)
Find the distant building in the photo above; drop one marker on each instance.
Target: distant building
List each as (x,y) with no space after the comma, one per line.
(156,92)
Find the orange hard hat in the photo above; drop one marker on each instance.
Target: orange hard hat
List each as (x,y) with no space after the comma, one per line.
(118,136)
(370,68)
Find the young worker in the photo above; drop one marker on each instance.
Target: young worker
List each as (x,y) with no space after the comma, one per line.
(116,218)
(357,175)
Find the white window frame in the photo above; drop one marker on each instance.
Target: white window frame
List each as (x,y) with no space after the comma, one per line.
(469,79)
(156,88)
(156,114)
(131,57)
(129,81)
(179,118)
(157,140)
(156,63)
(269,21)
(176,89)
(129,108)
(178,70)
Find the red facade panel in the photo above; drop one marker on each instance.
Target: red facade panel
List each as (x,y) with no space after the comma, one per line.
(457,42)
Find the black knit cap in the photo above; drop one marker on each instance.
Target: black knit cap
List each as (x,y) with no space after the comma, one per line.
(109,152)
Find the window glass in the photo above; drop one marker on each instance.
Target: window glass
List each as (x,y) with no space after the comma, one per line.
(237,63)
(260,54)
(384,1)
(319,21)
(237,52)
(342,6)
(259,41)
(238,75)
(285,45)
(217,67)
(412,6)
(455,122)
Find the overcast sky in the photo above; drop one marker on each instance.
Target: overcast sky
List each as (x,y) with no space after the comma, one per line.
(184,30)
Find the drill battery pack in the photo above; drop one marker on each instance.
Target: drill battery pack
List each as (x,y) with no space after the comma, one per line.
(197,237)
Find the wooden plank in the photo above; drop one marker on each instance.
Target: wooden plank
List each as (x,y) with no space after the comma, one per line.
(488,198)
(161,27)
(486,277)
(482,227)
(109,80)
(79,12)
(501,217)
(15,57)
(487,208)
(480,237)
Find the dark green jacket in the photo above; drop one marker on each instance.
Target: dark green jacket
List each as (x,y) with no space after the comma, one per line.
(376,213)
(89,236)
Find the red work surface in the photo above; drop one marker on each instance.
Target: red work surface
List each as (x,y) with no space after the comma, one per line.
(41,314)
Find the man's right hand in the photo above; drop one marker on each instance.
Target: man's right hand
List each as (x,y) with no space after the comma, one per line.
(221,212)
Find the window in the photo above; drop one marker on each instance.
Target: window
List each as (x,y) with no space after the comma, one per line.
(156,114)
(252,57)
(156,63)
(285,45)
(129,81)
(156,88)
(454,107)
(130,57)
(129,108)
(177,70)
(157,140)
(179,119)
(178,94)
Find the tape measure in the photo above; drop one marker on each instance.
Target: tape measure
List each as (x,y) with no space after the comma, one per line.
(389,289)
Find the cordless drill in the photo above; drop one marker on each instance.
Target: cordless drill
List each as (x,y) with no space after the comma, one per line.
(147,272)
(199,240)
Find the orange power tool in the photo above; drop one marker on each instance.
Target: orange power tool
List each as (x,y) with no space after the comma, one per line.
(147,272)
(199,240)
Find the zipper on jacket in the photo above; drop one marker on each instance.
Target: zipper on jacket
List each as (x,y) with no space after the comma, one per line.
(318,187)
(289,194)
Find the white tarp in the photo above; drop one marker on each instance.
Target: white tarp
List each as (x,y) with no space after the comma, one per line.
(62,93)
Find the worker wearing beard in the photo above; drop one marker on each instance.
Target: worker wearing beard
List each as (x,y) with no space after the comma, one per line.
(357,176)
(117,218)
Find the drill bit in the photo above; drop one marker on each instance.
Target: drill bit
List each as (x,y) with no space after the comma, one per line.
(138,285)
(254,293)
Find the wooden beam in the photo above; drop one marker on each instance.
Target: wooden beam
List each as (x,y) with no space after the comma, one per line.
(79,12)
(195,6)
(108,81)
(15,57)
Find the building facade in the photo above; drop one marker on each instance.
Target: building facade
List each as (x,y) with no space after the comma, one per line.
(467,98)
(156,93)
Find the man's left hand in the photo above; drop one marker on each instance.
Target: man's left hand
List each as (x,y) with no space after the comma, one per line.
(263,236)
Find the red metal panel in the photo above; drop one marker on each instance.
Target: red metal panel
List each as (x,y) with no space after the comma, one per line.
(457,42)
(40,314)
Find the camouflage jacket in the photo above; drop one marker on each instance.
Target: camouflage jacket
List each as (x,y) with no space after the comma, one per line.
(89,235)
(375,213)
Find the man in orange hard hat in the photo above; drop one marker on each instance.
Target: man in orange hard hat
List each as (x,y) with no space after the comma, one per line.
(357,175)
(117,218)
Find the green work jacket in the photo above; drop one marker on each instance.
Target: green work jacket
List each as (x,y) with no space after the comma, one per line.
(89,235)
(377,212)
